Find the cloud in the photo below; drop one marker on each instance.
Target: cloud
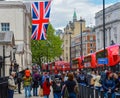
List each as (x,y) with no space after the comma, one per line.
(62,11)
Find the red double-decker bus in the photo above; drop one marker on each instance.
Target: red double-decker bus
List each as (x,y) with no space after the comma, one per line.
(62,66)
(77,63)
(90,61)
(111,53)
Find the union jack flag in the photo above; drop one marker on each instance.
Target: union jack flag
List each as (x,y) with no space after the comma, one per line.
(40,19)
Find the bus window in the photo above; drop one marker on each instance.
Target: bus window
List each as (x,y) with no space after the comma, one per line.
(75,62)
(100,54)
(87,61)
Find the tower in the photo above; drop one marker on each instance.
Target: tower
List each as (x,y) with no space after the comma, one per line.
(74,16)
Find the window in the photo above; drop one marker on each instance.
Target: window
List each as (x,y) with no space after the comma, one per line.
(66,41)
(91,38)
(87,59)
(5,26)
(66,48)
(100,54)
(91,45)
(91,51)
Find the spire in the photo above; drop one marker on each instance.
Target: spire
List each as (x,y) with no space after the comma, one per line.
(74,16)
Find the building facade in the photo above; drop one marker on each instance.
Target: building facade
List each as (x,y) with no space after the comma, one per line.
(70,31)
(15,17)
(112,26)
(88,44)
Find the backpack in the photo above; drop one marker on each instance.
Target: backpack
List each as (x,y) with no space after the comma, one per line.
(27,73)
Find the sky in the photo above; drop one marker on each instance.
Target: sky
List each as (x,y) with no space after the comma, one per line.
(62,11)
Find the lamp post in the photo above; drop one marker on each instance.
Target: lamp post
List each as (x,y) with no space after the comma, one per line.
(70,51)
(71,25)
(4,57)
(48,44)
(104,30)
(81,52)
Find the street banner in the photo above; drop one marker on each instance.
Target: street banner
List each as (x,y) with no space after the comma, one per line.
(40,19)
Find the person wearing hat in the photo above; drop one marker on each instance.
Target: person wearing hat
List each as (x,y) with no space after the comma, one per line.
(109,85)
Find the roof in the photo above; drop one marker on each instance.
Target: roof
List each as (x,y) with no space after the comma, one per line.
(7,38)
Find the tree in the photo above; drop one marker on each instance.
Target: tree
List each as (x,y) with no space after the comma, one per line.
(46,50)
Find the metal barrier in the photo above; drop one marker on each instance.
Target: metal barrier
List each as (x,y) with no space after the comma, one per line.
(4,87)
(91,92)
(117,95)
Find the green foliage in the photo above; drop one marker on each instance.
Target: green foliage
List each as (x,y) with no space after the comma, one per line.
(46,50)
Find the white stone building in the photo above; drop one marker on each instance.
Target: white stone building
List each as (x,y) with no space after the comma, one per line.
(15,17)
(112,26)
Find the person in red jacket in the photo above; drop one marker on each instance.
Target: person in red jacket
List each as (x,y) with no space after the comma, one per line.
(46,88)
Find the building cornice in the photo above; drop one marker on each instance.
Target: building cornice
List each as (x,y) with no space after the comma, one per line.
(111,22)
(12,4)
(108,9)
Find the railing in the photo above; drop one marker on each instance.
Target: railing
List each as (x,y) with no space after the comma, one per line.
(4,87)
(91,92)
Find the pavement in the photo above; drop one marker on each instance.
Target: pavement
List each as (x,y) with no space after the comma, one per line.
(16,95)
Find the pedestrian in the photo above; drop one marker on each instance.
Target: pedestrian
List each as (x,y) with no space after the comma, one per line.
(109,85)
(35,83)
(56,85)
(118,85)
(11,68)
(46,88)
(44,76)
(70,84)
(115,77)
(97,82)
(27,81)
(82,78)
(19,80)
(11,85)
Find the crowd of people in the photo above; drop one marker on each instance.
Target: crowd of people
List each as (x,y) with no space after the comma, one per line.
(65,84)
(106,81)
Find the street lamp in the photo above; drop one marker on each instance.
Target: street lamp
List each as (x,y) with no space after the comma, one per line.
(48,44)
(81,52)
(71,25)
(104,30)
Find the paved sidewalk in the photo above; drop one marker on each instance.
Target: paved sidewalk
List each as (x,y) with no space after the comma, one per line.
(16,95)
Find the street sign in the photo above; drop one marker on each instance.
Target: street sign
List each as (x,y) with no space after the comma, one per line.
(102,61)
